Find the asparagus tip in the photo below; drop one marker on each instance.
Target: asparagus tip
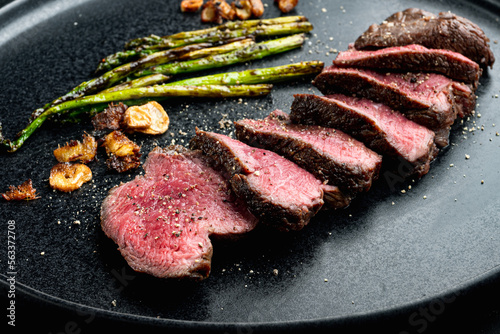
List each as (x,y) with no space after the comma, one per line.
(4,143)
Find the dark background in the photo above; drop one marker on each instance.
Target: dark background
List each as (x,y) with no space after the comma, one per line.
(470,309)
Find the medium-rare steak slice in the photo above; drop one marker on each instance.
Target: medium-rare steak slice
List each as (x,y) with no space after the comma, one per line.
(276,190)
(329,154)
(445,31)
(383,130)
(162,221)
(414,58)
(429,99)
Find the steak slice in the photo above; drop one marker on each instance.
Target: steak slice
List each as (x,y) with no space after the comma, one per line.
(162,221)
(414,58)
(445,31)
(429,99)
(383,130)
(329,154)
(276,190)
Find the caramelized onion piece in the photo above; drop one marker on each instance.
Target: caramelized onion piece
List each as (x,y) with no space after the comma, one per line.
(122,152)
(149,118)
(191,6)
(23,192)
(68,177)
(84,151)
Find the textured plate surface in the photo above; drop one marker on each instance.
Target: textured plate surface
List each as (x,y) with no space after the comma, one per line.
(390,249)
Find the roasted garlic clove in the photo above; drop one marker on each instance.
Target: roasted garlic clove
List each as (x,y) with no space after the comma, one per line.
(149,118)
(68,177)
(210,13)
(243,9)
(225,9)
(23,192)
(286,5)
(122,152)
(191,6)
(257,8)
(118,144)
(84,151)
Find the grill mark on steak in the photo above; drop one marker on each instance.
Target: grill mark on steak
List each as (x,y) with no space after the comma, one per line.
(276,190)
(429,99)
(329,154)
(415,58)
(383,130)
(416,26)
(162,221)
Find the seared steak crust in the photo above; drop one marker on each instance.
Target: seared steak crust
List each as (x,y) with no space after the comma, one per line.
(445,31)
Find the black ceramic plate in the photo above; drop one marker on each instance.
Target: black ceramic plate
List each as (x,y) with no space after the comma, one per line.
(404,244)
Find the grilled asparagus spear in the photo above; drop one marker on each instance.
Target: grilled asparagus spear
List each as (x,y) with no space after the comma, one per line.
(159,91)
(252,52)
(230,25)
(255,76)
(122,57)
(115,75)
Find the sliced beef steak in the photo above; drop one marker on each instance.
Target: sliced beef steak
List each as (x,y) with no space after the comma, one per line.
(383,130)
(444,31)
(329,154)
(162,220)
(276,190)
(414,58)
(429,99)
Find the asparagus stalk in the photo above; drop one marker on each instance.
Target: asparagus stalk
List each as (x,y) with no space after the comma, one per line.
(106,80)
(247,77)
(252,52)
(258,31)
(146,81)
(122,57)
(256,76)
(230,25)
(160,91)
(111,77)
(74,115)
